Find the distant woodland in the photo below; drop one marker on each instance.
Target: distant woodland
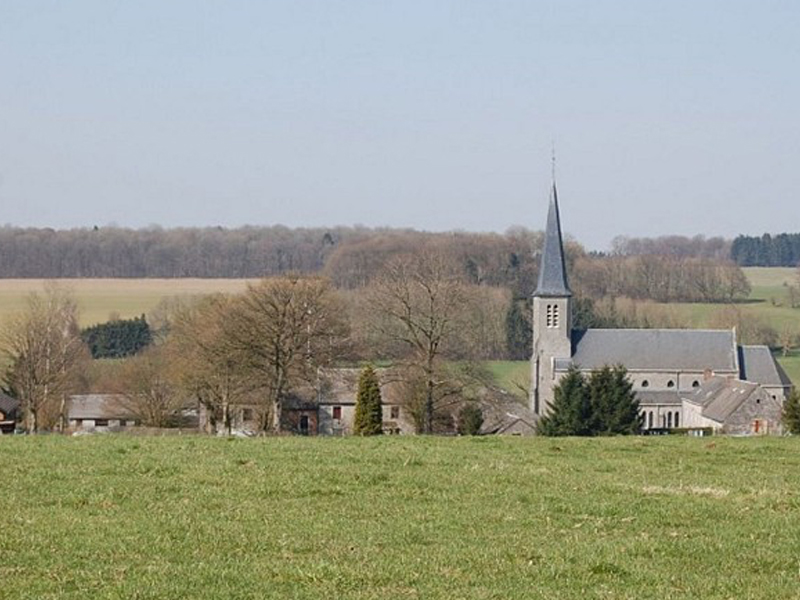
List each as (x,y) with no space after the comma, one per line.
(782,250)
(351,256)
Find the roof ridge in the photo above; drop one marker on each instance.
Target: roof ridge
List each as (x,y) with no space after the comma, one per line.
(701,330)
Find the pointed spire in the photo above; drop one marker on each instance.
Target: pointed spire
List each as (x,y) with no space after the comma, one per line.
(553,268)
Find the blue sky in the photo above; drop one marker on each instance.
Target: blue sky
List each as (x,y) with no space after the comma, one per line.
(668,117)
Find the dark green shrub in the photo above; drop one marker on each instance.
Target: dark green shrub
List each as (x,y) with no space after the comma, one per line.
(118,338)
(470,419)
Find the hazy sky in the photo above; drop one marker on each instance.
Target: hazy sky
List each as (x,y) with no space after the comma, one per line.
(668,117)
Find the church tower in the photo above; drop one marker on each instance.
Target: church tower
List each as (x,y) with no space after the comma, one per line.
(552,313)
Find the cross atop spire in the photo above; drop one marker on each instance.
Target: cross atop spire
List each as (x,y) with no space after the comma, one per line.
(553,268)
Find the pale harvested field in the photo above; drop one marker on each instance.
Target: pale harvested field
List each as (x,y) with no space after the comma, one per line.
(100,298)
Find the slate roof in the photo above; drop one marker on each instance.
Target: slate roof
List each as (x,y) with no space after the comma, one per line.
(720,397)
(553,269)
(339,386)
(98,406)
(659,349)
(8,405)
(757,364)
(504,413)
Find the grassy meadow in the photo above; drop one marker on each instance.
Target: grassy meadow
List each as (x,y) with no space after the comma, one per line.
(768,300)
(195,517)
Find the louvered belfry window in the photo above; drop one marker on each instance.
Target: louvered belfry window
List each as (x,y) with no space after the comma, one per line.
(552,315)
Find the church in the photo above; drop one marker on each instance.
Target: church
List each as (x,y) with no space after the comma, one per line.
(683,378)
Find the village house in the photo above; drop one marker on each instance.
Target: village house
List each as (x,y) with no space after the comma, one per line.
(732,406)
(329,407)
(326,408)
(9,413)
(99,413)
(682,377)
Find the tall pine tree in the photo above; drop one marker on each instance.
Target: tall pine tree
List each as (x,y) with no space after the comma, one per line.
(369,412)
(519,335)
(791,413)
(570,413)
(615,409)
(603,404)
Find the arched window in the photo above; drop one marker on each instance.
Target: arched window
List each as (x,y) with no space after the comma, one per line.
(670,384)
(677,419)
(669,420)
(650,420)
(645,383)
(695,384)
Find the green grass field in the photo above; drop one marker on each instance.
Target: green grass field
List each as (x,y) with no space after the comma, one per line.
(193,517)
(768,300)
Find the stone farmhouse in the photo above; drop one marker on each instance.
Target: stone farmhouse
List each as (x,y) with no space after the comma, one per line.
(326,408)
(682,377)
(9,411)
(99,412)
(330,407)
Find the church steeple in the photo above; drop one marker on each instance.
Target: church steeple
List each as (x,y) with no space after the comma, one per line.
(553,268)
(552,313)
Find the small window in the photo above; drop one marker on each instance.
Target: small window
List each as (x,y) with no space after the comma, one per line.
(670,384)
(677,420)
(695,384)
(337,413)
(650,420)
(758,400)
(101,422)
(247,414)
(645,383)
(394,412)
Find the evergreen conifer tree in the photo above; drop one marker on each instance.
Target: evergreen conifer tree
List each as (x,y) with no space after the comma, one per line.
(791,413)
(470,419)
(570,413)
(369,412)
(615,409)
(519,336)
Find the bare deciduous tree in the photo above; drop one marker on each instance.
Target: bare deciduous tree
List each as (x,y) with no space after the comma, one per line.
(421,302)
(787,339)
(208,363)
(46,356)
(284,328)
(148,389)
